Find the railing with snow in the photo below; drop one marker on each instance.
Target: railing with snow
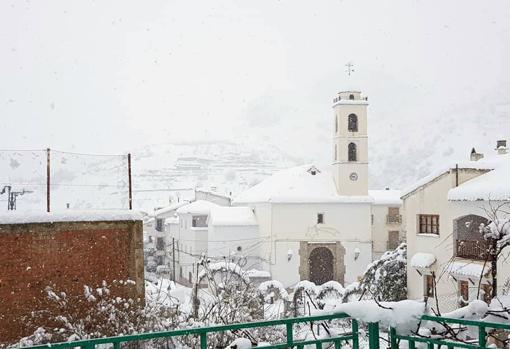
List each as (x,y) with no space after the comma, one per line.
(448,339)
(202,333)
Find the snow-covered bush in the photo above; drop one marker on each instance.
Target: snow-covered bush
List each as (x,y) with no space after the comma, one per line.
(384,279)
(95,313)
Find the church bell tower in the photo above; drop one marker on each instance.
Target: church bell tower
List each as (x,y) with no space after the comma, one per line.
(350,143)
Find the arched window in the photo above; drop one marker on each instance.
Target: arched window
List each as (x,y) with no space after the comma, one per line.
(352,152)
(351,97)
(352,123)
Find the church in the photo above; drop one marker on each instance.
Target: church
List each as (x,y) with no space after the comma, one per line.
(323,223)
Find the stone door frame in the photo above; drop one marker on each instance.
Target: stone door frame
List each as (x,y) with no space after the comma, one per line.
(336,248)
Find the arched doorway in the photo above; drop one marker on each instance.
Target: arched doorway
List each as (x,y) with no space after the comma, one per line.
(321,265)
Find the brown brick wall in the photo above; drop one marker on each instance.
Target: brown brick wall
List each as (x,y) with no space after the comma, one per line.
(66,255)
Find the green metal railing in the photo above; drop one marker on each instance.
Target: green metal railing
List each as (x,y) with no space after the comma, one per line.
(352,337)
(449,342)
(202,333)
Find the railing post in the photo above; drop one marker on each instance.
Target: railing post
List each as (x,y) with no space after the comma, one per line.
(373,335)
(116,345)
(290,335)
(393,338)
(482,337)
(355,334)
(203,340)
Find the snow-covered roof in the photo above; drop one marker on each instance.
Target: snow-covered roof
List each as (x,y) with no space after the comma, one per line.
(386,197)
(233,216)
(468,268)
(27,217)
(422,260)
(165,211)
(493,185)
(486,164)
(301,184)
(197,207)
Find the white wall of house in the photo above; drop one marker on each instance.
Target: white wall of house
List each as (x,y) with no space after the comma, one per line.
(236,242)
(432,199)
(381,228)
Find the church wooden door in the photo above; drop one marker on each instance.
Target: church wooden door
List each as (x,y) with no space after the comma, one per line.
(321,265)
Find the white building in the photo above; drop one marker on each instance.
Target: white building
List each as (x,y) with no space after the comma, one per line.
(442,215)
(322,223)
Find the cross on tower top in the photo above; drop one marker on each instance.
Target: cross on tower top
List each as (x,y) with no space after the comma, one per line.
(350,68)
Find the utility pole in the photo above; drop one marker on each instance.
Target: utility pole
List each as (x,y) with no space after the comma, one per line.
(48,180)
(173,259)
(12,196)
(129,182)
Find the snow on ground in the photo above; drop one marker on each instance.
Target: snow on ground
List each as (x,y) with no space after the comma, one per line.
(25,217)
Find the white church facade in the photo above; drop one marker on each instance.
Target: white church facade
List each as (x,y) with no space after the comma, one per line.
(322,224)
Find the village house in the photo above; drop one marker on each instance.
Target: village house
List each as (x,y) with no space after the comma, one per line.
(447,253)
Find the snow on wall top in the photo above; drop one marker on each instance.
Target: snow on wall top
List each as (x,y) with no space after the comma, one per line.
(386,197)
(69,216)
(197,207)
(301,184)
(493,185)
(483,164)
(233,216)
(422,260)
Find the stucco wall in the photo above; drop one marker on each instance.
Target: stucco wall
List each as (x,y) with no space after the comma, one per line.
(432,199)
(290,224)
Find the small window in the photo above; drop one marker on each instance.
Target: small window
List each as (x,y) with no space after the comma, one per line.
(159,224)
(160,244)
(320,218)
(199,221)
(336,152)
(429,286)
(352,123)
(351,97)
(428,224)
(352,152)
(189,277)
(336,123)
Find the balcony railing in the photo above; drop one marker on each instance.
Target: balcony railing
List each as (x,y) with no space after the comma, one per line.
(472,249)
(393,218)
(352,337)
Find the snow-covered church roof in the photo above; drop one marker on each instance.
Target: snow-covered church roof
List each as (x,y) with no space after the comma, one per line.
(494,185)
(301,184)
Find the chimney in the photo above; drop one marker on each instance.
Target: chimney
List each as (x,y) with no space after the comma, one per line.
(475,156)
(501,146)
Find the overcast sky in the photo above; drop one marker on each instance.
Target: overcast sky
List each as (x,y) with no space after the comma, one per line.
(107,76)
